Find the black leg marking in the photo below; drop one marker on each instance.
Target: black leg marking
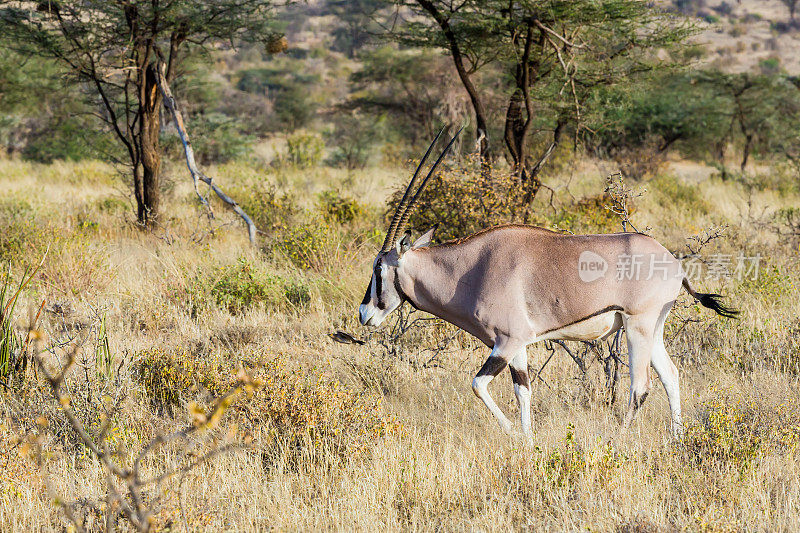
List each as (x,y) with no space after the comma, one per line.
(638,399)
(520,377)
(493,366)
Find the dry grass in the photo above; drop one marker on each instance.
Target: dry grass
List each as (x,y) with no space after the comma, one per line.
(437,459)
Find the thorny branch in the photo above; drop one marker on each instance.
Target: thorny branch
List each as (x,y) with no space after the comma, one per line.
(126,487)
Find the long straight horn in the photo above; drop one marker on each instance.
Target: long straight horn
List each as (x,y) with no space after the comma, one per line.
(387,243)
(407,213)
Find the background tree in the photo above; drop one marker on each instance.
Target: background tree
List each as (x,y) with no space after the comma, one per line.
(792,5)
(112,49)
(415,88)
(553,54)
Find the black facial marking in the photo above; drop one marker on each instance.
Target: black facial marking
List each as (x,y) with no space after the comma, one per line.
(493,366)
(367,295)
(379,285)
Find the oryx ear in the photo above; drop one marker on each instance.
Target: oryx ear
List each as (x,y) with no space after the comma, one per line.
(424,239)
(404,244)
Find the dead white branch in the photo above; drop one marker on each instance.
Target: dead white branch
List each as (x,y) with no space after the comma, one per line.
(169,101)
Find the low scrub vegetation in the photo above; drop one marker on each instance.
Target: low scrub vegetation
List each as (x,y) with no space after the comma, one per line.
(386,432)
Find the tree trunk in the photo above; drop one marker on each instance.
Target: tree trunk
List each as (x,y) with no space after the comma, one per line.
(148,180)
(517,125)
(481,132)
(748,142)
(515,133)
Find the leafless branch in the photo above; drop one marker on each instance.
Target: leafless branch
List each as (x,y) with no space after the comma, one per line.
(196,174)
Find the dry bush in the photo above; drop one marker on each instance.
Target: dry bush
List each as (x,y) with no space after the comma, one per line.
(269,209)
(294,413)
(306,246)
(643,161)
(462,202)
(238,287)
(734,434)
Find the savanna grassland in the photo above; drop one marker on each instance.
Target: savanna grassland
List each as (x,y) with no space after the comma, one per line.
(387,435)
(158,372)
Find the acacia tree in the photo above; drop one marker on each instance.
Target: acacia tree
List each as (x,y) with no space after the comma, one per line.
(554,53)
(112,48)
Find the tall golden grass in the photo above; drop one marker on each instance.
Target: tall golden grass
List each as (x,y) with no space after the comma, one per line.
(384,435)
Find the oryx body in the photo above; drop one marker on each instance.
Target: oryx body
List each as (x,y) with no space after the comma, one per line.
(514,285)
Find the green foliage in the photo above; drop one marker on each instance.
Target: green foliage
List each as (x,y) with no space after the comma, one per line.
(462,202)
(415,90)
(519,39)
(770,65)
(67,138)
(289,88)
(304,149)
(216,138)
(269,209)
(242,286)
(112,205)
(353,140)
(355,23)
(339,208)
(305,245)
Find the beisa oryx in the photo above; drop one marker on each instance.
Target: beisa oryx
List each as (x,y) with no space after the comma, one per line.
(513,285)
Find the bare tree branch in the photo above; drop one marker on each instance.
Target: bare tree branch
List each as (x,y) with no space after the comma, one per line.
(169,102)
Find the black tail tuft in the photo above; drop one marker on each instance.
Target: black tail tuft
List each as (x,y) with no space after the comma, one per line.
(713,301)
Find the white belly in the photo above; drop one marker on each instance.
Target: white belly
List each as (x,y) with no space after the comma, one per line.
(593,328)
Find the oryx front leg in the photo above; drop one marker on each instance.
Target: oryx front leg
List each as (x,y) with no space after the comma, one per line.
(522,389)
(495,364)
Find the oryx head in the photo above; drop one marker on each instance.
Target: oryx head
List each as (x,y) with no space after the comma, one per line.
(383,292)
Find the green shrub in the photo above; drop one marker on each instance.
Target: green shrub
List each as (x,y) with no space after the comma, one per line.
(672,192)
(770,65)
(297,294)
(340,208)
(269,209)
(112,204)
(289,86)
(68,139)
(353,140)
(170,378)
(216,138)
(240,286)
(304,245)
(304,149)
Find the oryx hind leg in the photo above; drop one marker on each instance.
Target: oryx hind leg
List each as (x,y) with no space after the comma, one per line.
(522,389)
(639,332)
(495,364)
(667,372)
